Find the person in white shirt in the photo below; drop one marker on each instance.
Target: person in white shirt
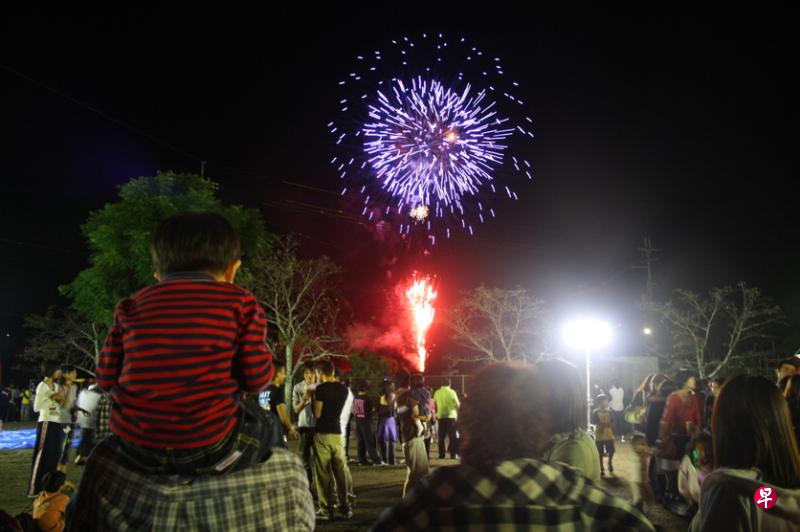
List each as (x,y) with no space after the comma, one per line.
(303,406)
(617,406)
(347,412)
(344,420)
(50,399)
(87,421)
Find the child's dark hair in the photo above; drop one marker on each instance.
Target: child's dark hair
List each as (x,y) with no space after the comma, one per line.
(363,387)
(599,399)
(194,241)
(703,438)
(53,480)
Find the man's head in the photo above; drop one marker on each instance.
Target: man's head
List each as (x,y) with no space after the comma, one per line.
(363,388)
(715,384)
(280,372)
(505,399)
(417,381)
(447,381)
(788,367)
(326,371)
(308,374)
(196,242)
(402,378)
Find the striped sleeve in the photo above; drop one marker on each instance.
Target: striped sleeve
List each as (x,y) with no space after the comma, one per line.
(253,358)
(110,362)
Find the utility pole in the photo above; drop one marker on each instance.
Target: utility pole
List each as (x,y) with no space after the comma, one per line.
(203,169)
(648,258)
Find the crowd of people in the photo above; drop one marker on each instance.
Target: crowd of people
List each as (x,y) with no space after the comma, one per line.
(187,426)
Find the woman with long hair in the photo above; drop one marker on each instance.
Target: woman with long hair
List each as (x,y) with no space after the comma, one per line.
(387,424)
(569,443)
(791,391)
(755,458)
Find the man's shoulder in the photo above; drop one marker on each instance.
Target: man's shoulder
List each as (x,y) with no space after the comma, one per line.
(332,387)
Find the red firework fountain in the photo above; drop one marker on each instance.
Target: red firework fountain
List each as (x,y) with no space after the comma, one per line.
(420,296)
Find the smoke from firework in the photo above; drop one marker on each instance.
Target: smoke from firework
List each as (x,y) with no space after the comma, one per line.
(408,315)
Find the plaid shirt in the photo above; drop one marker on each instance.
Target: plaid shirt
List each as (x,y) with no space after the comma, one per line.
(515,495)
(103,416)
(273,495)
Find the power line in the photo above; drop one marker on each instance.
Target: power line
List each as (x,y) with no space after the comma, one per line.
(35,245)
(101,113)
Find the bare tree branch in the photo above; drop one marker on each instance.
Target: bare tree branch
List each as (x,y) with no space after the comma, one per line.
(713,331)
(300,297)
(498,324)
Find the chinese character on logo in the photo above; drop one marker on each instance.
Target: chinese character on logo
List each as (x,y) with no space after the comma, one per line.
(765,497)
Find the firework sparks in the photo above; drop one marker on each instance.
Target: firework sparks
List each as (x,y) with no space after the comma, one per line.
(429,129)
(429,144)
(420,296)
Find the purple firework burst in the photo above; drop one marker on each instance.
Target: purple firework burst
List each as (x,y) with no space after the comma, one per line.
(429,147)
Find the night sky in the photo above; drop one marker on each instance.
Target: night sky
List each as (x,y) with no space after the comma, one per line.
(677,128)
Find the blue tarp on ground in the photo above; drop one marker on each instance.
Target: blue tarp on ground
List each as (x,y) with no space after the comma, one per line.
(14,440)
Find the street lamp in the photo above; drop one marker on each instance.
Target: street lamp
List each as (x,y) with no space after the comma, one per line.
(647,331)
(586,335)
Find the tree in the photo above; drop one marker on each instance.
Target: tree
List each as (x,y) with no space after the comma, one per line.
(119,238)
(302,302)
(711,332)
(499,324)
(368,366)
(63,337)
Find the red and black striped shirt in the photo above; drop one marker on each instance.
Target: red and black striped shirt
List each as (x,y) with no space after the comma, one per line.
(178,353)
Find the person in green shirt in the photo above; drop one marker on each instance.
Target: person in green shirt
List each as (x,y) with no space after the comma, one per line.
(447,405)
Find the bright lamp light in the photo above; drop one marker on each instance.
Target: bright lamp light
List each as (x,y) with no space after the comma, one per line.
(587,334)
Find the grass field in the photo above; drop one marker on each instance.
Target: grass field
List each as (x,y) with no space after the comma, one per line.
(376,488)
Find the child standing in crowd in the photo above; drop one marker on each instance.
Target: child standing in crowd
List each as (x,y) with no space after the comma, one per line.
(696,464)
(604,434)
(181,352)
